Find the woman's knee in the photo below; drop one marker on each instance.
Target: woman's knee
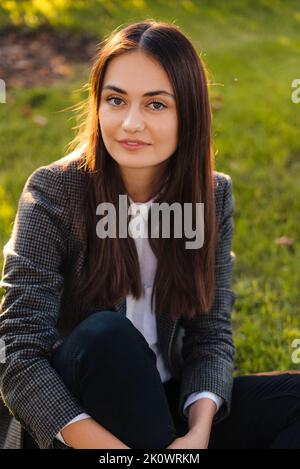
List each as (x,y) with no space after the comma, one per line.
(104,332)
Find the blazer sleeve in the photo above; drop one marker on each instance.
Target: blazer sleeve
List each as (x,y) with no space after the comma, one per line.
(32,280)
(208,348)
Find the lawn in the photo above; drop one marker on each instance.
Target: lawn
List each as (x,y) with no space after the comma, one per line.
(252,51)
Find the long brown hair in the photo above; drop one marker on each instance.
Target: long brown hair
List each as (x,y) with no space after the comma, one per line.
(184,283)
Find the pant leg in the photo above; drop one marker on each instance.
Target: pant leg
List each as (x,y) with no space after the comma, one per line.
(28,442)
(265,414)
(172,390)
(107,364)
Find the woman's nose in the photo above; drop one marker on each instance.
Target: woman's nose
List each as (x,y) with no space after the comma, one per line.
(133,120)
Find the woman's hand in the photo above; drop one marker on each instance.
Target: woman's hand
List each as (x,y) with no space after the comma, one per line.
(192,440)
(201,415)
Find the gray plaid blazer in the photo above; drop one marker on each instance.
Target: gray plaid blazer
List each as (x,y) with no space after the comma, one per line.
(45,239)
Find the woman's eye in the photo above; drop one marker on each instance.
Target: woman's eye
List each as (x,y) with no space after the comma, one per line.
(160,104)
(114,98)
(157,105)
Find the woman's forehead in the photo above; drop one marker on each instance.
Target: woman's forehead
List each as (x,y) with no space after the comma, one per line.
(136,71)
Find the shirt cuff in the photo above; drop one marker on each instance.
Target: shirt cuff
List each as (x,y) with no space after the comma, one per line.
(76,419)
(195,396)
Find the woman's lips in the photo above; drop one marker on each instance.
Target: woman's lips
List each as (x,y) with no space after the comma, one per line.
(133,146)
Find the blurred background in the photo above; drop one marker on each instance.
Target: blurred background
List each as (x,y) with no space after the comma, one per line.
(252,52)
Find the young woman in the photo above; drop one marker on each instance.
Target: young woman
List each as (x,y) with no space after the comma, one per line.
(126,341)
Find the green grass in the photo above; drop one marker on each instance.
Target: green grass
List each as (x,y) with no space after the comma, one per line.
(252,53)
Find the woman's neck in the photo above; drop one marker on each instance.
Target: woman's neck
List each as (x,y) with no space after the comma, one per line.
(141,185)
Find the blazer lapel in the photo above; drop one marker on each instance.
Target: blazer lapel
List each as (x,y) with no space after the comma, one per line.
(166,331)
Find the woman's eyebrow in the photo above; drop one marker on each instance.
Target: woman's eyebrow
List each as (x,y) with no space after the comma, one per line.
(149,93)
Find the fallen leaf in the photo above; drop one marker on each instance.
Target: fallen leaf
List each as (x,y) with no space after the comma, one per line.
(40,120)
(284,241)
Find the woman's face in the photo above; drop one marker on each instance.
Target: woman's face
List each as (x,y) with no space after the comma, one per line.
(127,113)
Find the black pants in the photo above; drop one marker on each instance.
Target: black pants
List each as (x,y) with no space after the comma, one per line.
(107,364)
